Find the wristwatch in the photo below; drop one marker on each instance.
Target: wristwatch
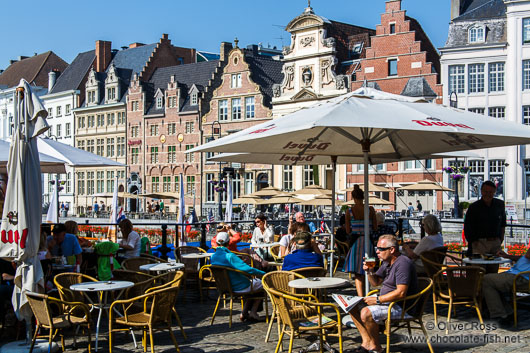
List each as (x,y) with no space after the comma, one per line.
(377,300)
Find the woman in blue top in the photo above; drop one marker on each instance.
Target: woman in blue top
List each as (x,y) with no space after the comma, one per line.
(355,227)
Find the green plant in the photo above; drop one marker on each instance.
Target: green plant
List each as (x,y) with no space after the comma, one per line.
(464,205)
(236,209)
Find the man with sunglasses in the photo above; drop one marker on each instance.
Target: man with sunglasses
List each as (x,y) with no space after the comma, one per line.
(397,278)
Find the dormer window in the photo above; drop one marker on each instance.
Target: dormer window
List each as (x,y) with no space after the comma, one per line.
(477,34)
(194,98)
(91,97)
(392,28)
(111,93)
(159,103)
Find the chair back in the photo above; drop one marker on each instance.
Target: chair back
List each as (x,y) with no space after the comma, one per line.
(163,302)
(275,252)
(222,279)
(63,281)
(279,280)
(41,310)
(311,271)
(245,257)
(191,264)
(168,279)
(284,307)
(134,263)
(464,281)
(415,304)
(131,276)
(433,260)
(150,256)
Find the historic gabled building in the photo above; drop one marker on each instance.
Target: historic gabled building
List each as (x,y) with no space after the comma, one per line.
(101,122)
(401,59)
(486,70)
(316,66)
(164,116)
(242,98)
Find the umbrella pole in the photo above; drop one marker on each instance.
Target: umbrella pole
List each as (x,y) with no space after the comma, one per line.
(366,150)
(332,254)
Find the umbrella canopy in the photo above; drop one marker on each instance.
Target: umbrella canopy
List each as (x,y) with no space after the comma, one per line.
(280,199)
(371,188)
(21,218)
(268,191)
(123,195)
(313,190)
(246,199)
(162,195)
(373,201)
(48,164)
(425,185)
(320,200)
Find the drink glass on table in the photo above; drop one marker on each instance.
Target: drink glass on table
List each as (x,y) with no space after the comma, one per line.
(370,262)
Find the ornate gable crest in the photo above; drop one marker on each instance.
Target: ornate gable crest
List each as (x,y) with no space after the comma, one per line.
(304,94)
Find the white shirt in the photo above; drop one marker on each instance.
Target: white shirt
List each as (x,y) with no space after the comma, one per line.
(429,242)
(259,238)
(133,240)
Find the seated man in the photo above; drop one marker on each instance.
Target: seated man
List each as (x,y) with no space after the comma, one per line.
(397,277)
(496,285)
(234,236)
(61,243)
(303,256)
(240,283)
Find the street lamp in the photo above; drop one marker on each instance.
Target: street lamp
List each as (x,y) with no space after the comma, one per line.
(217,131)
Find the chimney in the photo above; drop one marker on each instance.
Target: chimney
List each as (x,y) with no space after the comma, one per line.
(11,62)
(458,7)
(393,5)
(135,45)
(52,77)
(225,49)
(103,55)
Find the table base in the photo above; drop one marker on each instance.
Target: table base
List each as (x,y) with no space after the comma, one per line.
(315,346)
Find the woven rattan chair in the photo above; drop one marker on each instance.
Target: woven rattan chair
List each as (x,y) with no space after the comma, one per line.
(460,285)
(191,265)
(275,252)
(279,280)
(206,280)
(341,251)
(131,276)
(63,281)
(151,318)
(294,324)
(134,263)
(68,318)
(222,282)
(518,293)
(311,271)
(412,312)
(149,256)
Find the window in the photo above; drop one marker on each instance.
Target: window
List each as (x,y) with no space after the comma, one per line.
(172,102)
(171,129)
(90,183)
(135,152)
(81,145)
(477,110)
(121,118)
(526,114)
(526,30)
(356,50)
(236,109)
(90,146)
(69,182)
(155,184)
(418,164)
(496,171)
(111,93)
(526,74)
(67,130)
(91,96)
(497,112)
(308,175)
(496,77)
(456,78)
(177,184)
(121,146)
(172,154)
(287,178)
(154,155)
(100,147)
(67,109)
(159,103)
(100,181)
(135,106)
(81,183)
(81,122)
(210,188)
(110,181)
(236,81)
(190,184)
(58,130)
(166,184)
(249,108)
(223,110)
(50,113)
(100,120)
(190,157)
(190,127)
(477,34)
(194,98)
(110,147)
(154,130)
(110,119)
(249,183)
(392,67)
(58,111)
(91,121)
(392,28)
(476,78)
(134,131)
(236,185)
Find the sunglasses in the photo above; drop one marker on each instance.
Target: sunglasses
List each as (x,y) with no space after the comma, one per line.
(380,249)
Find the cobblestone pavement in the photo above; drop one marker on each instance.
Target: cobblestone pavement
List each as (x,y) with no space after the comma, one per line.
(465,336)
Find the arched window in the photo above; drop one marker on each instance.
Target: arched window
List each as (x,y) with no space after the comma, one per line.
(477,34)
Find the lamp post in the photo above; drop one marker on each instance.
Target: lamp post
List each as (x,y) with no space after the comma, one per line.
(220,191)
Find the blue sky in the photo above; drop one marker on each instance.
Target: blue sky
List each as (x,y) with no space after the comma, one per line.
(68,27)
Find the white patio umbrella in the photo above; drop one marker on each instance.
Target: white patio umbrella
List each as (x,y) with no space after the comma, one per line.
(181,213)
(48,164)
(375,126)
(21,218)
(229,197)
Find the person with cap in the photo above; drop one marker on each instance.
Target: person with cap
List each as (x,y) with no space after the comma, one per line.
(61,243)
(240,284)
(303,256)
(235,237)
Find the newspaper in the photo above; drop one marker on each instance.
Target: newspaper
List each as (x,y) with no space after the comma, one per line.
(346,302)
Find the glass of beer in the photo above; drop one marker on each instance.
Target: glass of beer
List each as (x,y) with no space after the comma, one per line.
(370,262)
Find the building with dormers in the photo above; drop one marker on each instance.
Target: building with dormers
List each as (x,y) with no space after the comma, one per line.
(316,66)
(486,69)
(100,123)
(242,98)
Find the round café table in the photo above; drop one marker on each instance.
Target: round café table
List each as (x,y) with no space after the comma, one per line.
(264,245)
(318,282)
(495,261)
(164,266)
(198,255)
(104,287)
